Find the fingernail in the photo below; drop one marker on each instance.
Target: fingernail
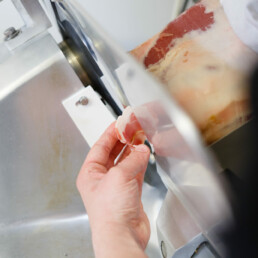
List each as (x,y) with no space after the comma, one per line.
(141,148)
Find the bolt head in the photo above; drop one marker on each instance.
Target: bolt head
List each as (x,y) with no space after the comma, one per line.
(82,101)
(11,33)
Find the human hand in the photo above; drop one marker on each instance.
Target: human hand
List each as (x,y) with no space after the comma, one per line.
(112,194)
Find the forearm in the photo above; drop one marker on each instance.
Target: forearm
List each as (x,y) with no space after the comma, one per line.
(116,242)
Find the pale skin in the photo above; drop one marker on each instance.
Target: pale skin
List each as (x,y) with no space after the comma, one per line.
(112,197)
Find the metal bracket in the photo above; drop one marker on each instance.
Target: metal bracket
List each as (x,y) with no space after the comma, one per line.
(35,20)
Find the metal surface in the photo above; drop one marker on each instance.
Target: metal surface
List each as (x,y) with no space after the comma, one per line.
(41,152)
(81,51)
(91,119)
(163,249)
(74,61)
(188,169)
(35,20)
(175,225)
(86,42)
(198,247)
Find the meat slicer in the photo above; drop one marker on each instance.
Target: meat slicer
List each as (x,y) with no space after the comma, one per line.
(89,77)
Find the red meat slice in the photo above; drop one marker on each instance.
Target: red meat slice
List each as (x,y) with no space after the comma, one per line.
(204,66)
(195,18)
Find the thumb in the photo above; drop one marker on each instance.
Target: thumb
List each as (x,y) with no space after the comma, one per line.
(135,163)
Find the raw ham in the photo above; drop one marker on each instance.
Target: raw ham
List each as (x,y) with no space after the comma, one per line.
(204,66)
(128,129)
(158,129)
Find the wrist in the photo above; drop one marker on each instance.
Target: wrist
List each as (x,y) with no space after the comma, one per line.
(114,240)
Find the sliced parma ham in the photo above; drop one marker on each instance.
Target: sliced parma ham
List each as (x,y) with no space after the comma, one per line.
(151,122)
(205,67)
(128,129)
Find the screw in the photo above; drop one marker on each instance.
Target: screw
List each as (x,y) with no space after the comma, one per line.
(11,33)
(82,101)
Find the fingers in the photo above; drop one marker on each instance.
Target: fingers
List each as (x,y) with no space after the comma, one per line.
(135,163)
(89,176)
(125,152)
(101,150)
(114,153)
(95,165)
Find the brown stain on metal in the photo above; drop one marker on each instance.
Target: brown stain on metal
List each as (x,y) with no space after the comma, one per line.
(56,169)
(56,173)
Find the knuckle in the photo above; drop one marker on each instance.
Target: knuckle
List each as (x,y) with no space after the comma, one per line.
(93,168)
(104,147)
